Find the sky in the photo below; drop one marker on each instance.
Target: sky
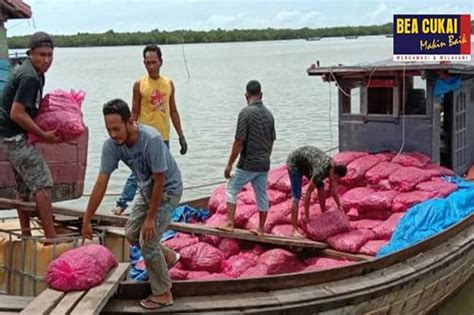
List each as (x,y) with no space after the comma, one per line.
(97,16)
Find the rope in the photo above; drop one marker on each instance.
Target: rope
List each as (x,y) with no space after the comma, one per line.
(185,62)
(214,183)
(339,86)
(329,114)
(402,146)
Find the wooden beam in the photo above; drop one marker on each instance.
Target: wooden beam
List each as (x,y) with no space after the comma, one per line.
(67,304)
(43,303)
(337,254)
(96,298)
(246,235)
(201,229)
(14,303)
(31,206)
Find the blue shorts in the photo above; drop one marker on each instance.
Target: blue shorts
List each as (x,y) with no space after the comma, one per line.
(296,179)
(259,184)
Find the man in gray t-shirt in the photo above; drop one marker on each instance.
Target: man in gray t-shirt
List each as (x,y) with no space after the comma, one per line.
(143,150)
(254,139)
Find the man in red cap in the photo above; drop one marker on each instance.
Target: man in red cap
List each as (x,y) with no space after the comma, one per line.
(19,105)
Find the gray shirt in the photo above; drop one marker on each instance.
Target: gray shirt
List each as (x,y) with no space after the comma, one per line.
(256,127)
(147,156)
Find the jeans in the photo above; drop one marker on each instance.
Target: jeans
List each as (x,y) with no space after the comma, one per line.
(130,188)
(153,251)
(296,179)
(259,184)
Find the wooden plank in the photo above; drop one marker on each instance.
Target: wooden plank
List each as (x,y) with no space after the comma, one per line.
(30,206)
(246,235)
(338,254)
(180,227)
(96,298)
(44,303)
(14,303)
(68,302)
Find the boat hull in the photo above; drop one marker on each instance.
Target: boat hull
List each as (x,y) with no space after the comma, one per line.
(412,281)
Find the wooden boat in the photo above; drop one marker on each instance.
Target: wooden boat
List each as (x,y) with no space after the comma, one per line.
(412,281)
(313,38)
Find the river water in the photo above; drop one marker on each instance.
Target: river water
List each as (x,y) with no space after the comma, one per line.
(210,85)
(210,97)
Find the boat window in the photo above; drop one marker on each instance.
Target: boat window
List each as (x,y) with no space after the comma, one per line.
(415,97)
(351,103)
(380,100)
(355,102)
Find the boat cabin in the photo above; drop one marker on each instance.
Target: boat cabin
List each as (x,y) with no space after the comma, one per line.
(422,106)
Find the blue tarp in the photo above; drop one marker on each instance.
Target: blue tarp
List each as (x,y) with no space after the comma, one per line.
(433,216)
(443,86)
(181,214)
(185,214)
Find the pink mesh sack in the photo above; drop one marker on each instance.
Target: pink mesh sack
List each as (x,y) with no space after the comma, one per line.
(80,268)
(61,110)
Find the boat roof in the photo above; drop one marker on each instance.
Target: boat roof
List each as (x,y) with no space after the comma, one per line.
(390,66)
(15,9)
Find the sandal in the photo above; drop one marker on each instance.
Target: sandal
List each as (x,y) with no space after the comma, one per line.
(117,210)
(151,304)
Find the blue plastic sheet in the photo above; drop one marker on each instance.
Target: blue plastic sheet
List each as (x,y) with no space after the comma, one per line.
(433,216)
(443,86)
(184,213)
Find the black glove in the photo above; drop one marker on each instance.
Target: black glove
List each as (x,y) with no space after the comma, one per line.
(184,145)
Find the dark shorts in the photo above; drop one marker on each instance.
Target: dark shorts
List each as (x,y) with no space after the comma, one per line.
(31,171)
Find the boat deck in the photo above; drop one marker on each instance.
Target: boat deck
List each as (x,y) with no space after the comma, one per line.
(417,284)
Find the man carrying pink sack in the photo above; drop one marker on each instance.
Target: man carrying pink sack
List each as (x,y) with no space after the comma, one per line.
(19,106)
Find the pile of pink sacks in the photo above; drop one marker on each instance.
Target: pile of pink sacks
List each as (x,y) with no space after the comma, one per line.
(376,192)
(213,258)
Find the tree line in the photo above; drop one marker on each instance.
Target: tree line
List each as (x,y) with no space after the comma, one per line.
(112,38)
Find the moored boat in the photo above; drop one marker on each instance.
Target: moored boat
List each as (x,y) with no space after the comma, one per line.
(398,109)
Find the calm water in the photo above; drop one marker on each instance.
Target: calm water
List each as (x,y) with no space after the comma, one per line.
(209,100)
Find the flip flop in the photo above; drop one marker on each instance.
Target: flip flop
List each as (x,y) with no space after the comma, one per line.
(116,211)
(150,304)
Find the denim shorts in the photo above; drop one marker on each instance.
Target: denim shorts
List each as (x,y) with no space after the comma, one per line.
(296,178)
(259,184)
